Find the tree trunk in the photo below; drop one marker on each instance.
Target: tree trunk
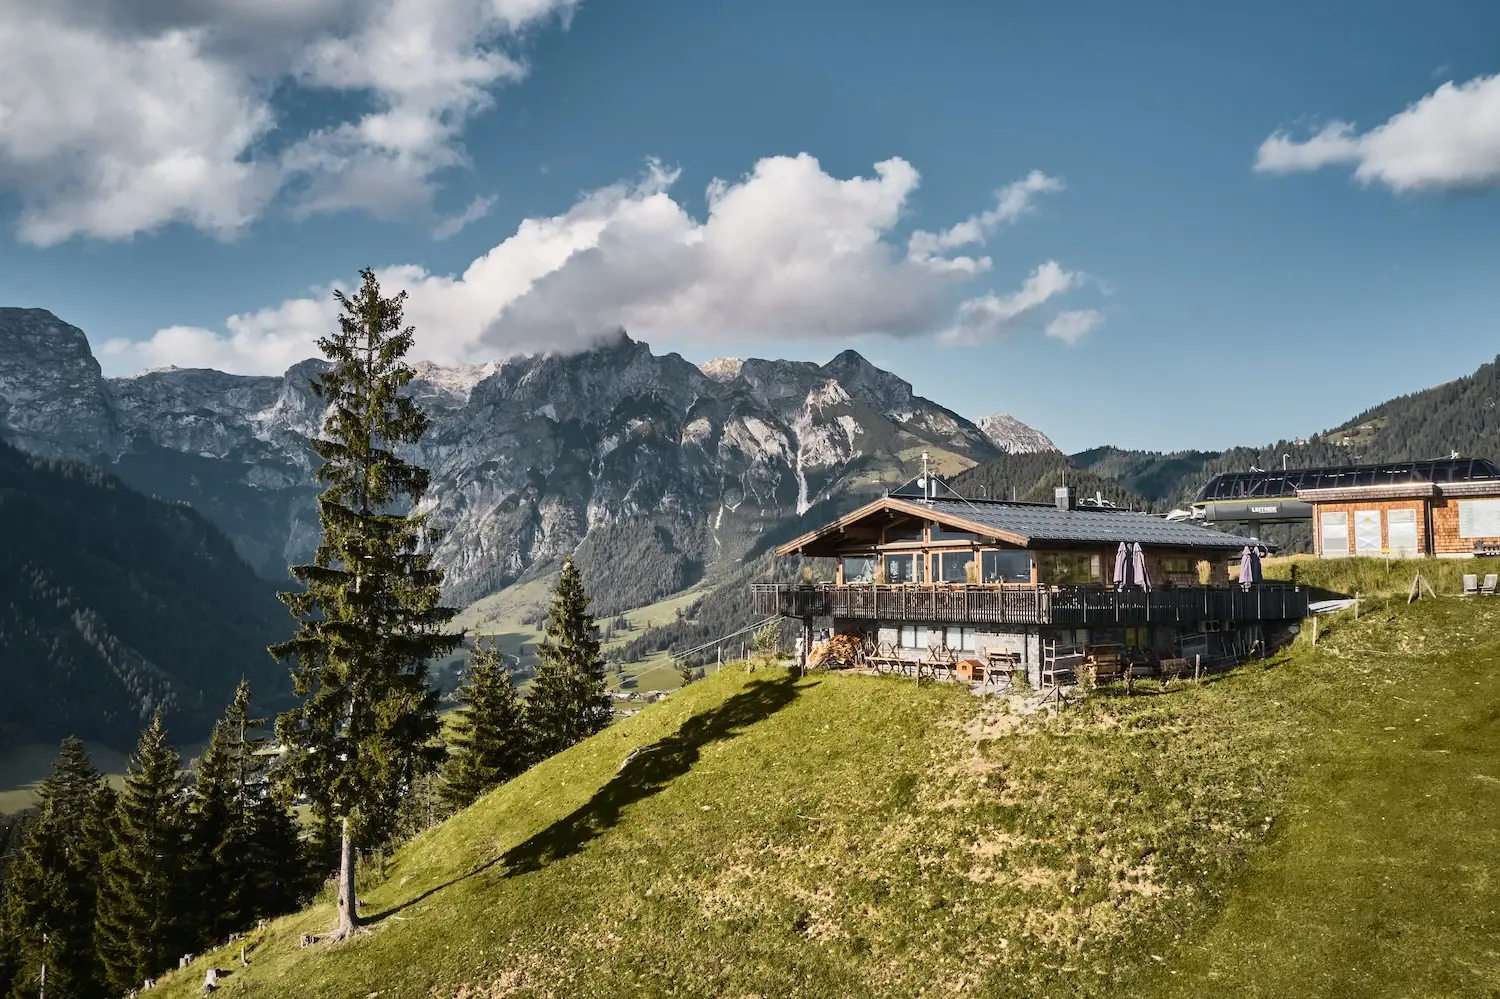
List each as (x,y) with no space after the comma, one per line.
(348,912)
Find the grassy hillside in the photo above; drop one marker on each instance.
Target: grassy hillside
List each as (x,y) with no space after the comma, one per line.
(1325,825)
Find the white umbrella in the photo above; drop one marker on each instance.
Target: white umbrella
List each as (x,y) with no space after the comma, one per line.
(1138,567)
(1249,567)
(1122,565)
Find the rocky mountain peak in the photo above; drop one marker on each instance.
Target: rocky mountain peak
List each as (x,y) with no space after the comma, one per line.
(722,369)
(52,394)
(1012,436)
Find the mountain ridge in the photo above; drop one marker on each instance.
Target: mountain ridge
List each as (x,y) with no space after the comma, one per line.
(529,454)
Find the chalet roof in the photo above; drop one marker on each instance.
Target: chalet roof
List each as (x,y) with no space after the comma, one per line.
(1029,525)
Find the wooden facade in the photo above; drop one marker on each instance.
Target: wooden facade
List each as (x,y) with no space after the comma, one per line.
(1415,520)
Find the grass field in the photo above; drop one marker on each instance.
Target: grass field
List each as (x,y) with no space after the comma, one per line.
(1325,824)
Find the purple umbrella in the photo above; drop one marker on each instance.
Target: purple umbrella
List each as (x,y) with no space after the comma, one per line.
(1122,565)
(1249,567)
(1138,567)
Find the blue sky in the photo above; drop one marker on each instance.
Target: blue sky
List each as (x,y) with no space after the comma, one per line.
(250,163)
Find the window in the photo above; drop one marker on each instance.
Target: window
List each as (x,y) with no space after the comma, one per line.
(952,566)
(1010,566)
(1137,638)
(937,532)
(1177,565)
(1479,518)
(1072,568)
(859,568)
(1334,534)
(1367,532)
(914,636)
(902,569)
(958,639)
(1401,530)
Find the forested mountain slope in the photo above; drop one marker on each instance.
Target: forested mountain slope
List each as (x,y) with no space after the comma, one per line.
(113,604)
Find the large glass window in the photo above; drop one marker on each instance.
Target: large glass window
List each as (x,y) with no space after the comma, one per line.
(859,568)
(1072,568)
(953,567)
(957,639)
(1401,531)
(1334,534)
(1367,532)
(915,636)
(1010,566)
(1479,518)
(902,569)
(940,533)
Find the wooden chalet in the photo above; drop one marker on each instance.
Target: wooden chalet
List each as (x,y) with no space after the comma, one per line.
(983,581)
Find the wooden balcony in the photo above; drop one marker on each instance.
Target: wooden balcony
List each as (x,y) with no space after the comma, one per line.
(1075,606)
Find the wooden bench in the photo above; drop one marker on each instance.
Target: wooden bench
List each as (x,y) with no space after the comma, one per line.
(1104,664)
(1003,663)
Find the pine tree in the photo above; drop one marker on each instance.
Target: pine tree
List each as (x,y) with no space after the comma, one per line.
(567,702)
(141,924)
(51,886)
(490,738)
(242,837)
(370,617)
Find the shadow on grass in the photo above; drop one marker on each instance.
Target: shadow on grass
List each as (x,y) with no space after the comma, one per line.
(646,772)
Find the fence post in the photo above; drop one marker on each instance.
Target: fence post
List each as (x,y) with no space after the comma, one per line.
(1197,667)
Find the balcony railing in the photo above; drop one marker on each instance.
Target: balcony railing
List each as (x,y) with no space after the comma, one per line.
(1069,606)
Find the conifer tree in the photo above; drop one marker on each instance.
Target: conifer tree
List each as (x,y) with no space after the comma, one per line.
(52,885)
(141,924)
(567,702)
(370,616)
(490,739)
(242,837)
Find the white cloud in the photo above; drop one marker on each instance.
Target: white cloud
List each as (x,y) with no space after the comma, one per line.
(478,209)
(1448,140)
(994,315)
(1075,324)
(119,118)
(786,251)
(1011,202)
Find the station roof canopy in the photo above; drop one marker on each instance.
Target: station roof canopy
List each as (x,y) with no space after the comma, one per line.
(1287,482)
(1028,525)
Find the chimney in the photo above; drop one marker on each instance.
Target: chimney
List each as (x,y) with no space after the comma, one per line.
(1063,497)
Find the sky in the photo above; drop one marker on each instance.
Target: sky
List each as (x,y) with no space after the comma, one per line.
(1152,225)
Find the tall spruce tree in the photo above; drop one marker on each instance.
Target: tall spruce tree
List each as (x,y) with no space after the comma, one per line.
(490,741)
(370,616)
(567,702)
(142,923)
(52,884)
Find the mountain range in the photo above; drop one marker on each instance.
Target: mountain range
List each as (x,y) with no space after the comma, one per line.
(530,456)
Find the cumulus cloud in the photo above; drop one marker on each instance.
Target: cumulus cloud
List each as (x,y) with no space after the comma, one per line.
(1448,140)
(785,251)
(118,118)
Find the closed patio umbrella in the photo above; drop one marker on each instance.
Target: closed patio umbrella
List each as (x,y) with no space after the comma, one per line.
(1122,565)
(1249,567)
(1138,567)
